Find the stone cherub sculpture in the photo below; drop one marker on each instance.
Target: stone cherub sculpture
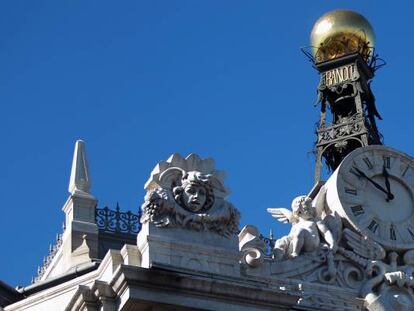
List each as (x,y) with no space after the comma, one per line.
(189,193)
(306,232)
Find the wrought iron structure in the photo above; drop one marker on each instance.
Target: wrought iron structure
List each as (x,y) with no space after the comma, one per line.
(116,221)
(107,220)
(53,249)
(344,90)
(270,244)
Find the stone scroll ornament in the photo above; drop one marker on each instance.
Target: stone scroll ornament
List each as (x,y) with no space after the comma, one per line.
(389,278)
(189,193)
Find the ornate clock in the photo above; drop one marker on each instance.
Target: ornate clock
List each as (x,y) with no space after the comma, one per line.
(373,190)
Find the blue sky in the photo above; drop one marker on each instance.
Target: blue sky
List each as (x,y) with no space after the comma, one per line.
(139,81)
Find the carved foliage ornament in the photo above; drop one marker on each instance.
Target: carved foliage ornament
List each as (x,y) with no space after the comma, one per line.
(189,193)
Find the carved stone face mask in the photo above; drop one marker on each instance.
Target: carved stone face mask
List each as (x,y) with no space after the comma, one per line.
(194,197)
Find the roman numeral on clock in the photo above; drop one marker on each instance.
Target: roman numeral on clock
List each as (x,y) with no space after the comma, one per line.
(387,162)
(357,210)
(368,163)
(351,191)
(405,171)
(392,233)
(373,226)
(355,172)
(411,233)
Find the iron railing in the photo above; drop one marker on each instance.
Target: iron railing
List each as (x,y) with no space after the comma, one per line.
(116,221)
(107,220)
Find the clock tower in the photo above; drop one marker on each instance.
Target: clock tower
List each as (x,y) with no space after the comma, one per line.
(372,185)
(343,53)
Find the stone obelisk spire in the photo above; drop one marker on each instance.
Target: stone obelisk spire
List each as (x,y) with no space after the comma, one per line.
(81,229)
(80,238)
(80,181)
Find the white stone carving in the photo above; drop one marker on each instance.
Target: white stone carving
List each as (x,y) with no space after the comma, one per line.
(306,232)
(363,246)
(189,193)
(336,272)
(80,181)
(387,285)
(187,223)
(325,281)
(252,248)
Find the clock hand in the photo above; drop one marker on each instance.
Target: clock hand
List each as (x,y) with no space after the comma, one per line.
(387,183)
(376,185)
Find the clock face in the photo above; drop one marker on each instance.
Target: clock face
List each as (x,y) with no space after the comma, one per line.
(374,192)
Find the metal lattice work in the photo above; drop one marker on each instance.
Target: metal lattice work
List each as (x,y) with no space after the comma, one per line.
(53,249)
(118,222)
(348,105)
(107,220)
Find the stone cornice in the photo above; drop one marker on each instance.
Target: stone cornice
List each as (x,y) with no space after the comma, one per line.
(135,284)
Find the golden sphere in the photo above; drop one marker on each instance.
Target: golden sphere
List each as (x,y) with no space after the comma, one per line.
(341,32)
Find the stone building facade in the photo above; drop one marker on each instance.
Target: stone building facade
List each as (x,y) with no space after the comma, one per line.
(350,247)
(190,254)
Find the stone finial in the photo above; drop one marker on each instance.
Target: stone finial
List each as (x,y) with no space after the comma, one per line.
(80,180)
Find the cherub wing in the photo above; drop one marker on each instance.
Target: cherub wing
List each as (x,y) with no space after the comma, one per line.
(364,246)
(281,214)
